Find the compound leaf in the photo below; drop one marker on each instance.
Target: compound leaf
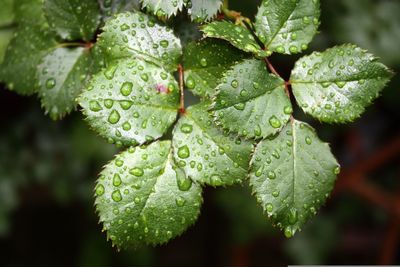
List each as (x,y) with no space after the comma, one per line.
(237,35)
(287,26)
(251,102)
(138,35)
(337,85)
(162,7)
(23,55)
(203,10)
(292,174)
(62,75)
(207,155)
(73,19)
(131,102)
(144,199)
(205,63)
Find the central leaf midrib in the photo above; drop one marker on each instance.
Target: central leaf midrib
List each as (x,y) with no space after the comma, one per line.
(211,138)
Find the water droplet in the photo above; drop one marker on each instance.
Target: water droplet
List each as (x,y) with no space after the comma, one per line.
(240,106)
(164,43)
(100,190)
(308,140)
(280,49)
(116,196)
(190,83)
(336,170)
(288,232)
(137,171)
(235,83)
(269,207)
(144,77)
(114,117)
(124,27)
(184,152)
(186,128)
(288,110)
(50,83)
(94,106)
(215,180)
(274,122)
(117,180)
(271,175)
(126,88)
(184,183)
(180,201)
(292,216)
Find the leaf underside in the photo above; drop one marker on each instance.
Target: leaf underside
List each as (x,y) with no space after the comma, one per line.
(131,102)
(205,153)
(337,85)
(251,102)
(291,175)
(287,26)
(143,199)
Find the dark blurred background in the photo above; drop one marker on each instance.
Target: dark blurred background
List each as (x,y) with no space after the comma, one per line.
(48,169)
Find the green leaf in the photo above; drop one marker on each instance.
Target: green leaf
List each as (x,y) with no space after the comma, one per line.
(138,35)
(23,55)
(73,19)
(143,199)
(203,10)
(237,35)
(62,75)
(29,12)
(7,12)
(251,102)
(162,7)
(5,37)
(206,154)
(109,7)
(205,63)
(337,85)
(292,174)
(131,102)
(287,26)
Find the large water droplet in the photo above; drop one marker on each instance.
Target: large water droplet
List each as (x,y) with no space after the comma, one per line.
(184,152)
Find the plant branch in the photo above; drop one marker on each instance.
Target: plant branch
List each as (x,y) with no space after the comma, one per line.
(235,16)
(181,89)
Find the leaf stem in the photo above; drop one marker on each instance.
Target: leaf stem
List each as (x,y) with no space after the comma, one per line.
(75,44)
(235,15)
(181,89)
(287,83)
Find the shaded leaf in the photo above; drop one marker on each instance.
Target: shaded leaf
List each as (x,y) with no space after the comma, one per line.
(143,199)
(23,55)
(29,12)
(203,10)
(131,102)
(73,19)
(62,74)
(291,175)
(251,102)
(287,26)
(206,154)
(237,35)
(110,7)
(337,85)
(7,12)
(138,35)
(205,63)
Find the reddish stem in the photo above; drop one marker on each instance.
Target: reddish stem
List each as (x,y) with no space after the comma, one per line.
(181,89)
